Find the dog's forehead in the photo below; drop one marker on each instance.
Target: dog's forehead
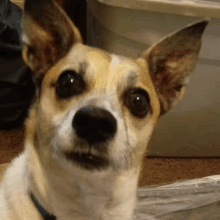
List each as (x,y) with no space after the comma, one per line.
(110,70)
(113,71)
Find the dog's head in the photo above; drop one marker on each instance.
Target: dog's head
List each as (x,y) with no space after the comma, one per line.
(96,110)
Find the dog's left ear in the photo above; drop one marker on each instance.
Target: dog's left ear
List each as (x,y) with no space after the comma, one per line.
(172,61)
(47,34)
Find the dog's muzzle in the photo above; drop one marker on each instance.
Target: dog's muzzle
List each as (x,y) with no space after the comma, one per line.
(94,124)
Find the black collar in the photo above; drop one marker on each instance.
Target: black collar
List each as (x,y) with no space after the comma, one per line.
(43,212)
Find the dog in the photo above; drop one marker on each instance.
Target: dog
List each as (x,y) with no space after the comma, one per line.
(91,119)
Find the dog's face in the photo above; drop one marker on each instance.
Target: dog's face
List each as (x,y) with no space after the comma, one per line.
(96,110)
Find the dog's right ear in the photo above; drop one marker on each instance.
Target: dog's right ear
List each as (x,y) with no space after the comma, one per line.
(47,35)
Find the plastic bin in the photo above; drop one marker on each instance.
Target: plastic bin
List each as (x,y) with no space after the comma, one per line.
(196,199)
(127,27)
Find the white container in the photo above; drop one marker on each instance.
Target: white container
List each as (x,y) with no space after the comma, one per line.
(127,27)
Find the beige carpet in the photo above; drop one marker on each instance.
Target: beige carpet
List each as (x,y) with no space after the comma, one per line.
(155,170)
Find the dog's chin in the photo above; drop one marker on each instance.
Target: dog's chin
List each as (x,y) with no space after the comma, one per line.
(87,161)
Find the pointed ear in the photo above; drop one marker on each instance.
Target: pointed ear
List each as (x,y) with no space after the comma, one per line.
(172,61)
(47,34)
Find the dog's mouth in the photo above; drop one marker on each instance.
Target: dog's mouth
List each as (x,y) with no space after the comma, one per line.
(87,160)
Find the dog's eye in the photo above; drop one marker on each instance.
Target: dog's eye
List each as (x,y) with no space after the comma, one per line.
(69,83)
(137,101)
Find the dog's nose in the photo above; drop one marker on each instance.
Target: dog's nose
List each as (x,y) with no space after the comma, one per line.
(94,124)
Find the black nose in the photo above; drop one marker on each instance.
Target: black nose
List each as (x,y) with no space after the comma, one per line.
(94,124)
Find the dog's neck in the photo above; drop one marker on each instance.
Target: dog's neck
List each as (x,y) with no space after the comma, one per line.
(105,195)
